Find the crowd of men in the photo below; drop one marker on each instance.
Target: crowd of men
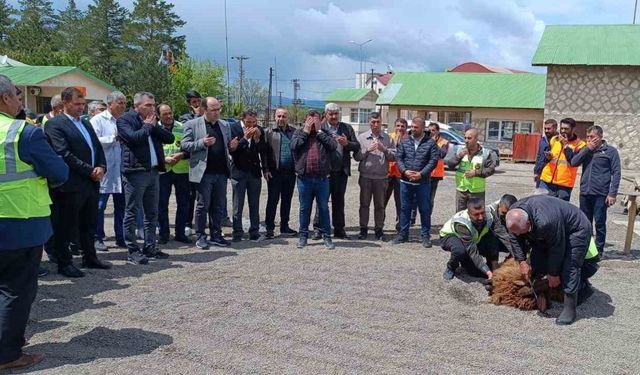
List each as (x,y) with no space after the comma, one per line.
(57,183)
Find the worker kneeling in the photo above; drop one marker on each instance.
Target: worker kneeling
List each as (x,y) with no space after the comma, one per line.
(469,237)
(559,235)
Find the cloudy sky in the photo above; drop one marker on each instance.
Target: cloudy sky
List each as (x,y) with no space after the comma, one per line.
(310,39)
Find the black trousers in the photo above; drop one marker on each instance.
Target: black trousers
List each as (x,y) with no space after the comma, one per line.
(337,190)
(572,265)
(393,188)
(280,188)
(487,247)
(18,288)
(74,212)
(181,183)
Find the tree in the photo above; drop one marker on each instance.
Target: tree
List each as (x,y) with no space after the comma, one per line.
(254,94)
(7,21)
(105,21)
(152,26)
(147,75)
(31,40)
(203,76)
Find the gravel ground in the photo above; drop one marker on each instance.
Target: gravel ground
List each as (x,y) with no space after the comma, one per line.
(366,307)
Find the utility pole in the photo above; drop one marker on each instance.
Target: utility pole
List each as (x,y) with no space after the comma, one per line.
(296,101)
(267,117)
(635,9)
(372,79)
(240,59)
(279,98)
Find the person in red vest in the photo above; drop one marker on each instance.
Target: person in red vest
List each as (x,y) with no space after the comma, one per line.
(393,188)
(438,172)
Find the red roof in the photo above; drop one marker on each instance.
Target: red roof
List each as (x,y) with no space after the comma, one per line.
(474,67)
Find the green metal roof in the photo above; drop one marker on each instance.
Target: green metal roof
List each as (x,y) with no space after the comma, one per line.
(347,95)
(35,74)
(589,45)
(479,90)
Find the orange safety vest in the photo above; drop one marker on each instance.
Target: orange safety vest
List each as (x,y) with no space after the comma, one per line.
(558,171)
(394,171)
(438,171)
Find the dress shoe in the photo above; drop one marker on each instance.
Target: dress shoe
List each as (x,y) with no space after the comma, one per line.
(73,247)
(121,244)
(220,242)
(269,235)
(100,246)
(96,264)
(255,237)
(227,223)
(70,271)
(162,240)
(236,238)
(155,254)
(341,235)
(399,239)
(379,235)
(288,232)
(363,234)
(42,271)
(182,239)
(137,257)
(24,361)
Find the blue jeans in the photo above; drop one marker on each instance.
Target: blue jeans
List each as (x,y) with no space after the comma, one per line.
(318,188)
(141,191)
(561,192)
(118,216)
(595,207)
(412,196)
(181,183)
(212,197)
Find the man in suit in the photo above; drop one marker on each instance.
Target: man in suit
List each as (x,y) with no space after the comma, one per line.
(208,141)
(75,204)
(142,161)
(340,160)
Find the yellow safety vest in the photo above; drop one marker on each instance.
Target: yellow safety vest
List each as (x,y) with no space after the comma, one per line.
(23,194)
(173,148)
(592,251)
(462,217)
(473,184)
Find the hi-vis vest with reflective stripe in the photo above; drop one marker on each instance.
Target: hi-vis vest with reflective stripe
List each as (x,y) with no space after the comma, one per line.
(592,251)
(473,184)
(438,171)
(462,217)
(23,194)
(558,171)
(183,165)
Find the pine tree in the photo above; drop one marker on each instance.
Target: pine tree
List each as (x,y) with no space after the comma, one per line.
(7,12)
(70,27)
(31,40)
(152,26)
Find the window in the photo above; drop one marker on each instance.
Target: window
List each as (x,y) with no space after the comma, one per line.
(503,130)
(354,116)
(463,117)
(360,116)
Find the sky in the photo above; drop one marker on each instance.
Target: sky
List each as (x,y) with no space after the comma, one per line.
(310,40)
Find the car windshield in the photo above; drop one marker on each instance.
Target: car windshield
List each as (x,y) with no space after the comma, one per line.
(452,135)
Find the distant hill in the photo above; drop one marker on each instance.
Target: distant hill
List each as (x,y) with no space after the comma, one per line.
(308,103)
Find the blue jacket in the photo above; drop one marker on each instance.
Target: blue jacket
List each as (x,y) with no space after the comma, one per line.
(422,159)
(33,149)
(541,160)
(134,137)
(600,170)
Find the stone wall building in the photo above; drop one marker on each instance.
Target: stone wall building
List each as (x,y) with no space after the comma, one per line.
(593,76)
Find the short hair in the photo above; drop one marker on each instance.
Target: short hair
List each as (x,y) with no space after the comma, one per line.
(475,203)
(192,94)
(418,119)
(312,113)
(137,98)
(69,93)
(569,121)
(249,112)
(435,125)
(56,101)
(282,109)
(375,115)
(595,129)
(6,86)
(163,105)
(332,107)
(551,121)
(93,106)
(508,200)
(402,121)
(115,95)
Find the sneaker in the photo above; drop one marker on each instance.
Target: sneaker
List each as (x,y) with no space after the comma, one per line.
(156,254)
(236,238)
(269,236)
(255,237)
(302,242)
(363,234)
(328,244)
(399,239)
(448,274)
(316,235)
(188,231)
(379,235)
(202,243)
(137,257)
(100,246)
(220,242)
(426,242)
(182,239)
(42,271)
(288,232)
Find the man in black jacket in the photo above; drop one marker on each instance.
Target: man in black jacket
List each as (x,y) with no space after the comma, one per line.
(279,171)
(142,160)
(340,160)
(311,150)
(417,155)
(75,204)
(599,182)
(558,234)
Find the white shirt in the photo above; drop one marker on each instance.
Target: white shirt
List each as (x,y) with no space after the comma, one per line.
(104,125)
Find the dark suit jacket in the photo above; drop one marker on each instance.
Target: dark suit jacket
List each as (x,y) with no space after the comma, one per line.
(68,142)
(352,146)
(134,138)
